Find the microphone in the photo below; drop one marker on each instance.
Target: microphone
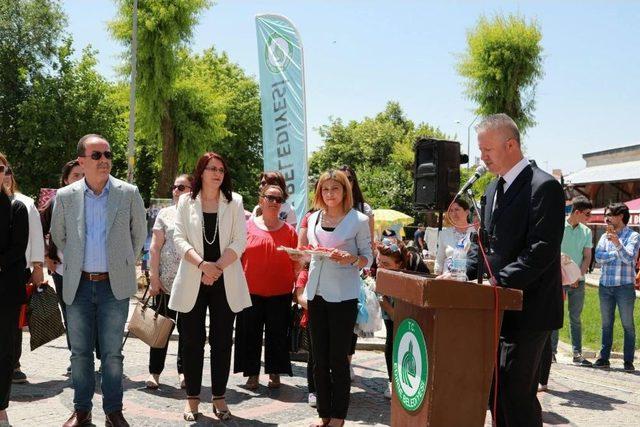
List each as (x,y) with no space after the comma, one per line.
(481,170)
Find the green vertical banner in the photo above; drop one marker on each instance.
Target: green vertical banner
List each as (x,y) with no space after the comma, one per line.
(284,127)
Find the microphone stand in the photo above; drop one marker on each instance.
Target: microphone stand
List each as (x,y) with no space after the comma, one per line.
(482,235)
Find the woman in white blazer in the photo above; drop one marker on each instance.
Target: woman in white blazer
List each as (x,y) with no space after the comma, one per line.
(210,236)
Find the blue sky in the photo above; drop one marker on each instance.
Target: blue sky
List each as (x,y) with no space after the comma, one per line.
(361,54)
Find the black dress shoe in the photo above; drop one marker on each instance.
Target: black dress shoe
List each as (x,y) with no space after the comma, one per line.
(115,419)
(78,418)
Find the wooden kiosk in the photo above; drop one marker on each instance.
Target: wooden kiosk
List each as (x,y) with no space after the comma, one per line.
(444,350)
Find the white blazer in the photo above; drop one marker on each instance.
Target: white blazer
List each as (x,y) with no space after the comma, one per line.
(232,233)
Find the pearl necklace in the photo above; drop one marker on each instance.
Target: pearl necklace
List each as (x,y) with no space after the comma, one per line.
(215,231)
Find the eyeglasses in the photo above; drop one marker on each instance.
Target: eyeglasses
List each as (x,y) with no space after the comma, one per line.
(388,243)
(97,155)
(214,169)
(273,199)
(180,187)
(587,213)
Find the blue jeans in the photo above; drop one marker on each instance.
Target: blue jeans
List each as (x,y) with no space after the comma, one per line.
(575,302)
(95,311)
(624,297)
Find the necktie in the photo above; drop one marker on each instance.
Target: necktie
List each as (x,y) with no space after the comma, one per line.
(499,194)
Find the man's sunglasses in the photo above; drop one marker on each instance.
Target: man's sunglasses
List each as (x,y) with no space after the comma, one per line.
(180,187)
(273,199)
(97,155)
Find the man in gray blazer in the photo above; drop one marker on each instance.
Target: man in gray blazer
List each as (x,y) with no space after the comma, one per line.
(99,225)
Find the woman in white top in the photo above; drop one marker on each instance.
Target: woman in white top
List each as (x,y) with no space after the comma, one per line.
(163,266)
(34,255)
(449,237)
(287,213)
(332,290)
(210,235)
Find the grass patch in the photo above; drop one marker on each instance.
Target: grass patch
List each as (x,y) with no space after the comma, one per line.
(592,324)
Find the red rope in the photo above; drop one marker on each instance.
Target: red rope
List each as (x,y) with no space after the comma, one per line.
(496,318)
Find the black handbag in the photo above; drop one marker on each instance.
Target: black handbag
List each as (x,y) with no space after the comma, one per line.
(298,336)
(45,321)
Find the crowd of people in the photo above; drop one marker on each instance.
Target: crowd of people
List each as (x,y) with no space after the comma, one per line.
(209,255)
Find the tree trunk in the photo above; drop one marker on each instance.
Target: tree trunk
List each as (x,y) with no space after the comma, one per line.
(169,157)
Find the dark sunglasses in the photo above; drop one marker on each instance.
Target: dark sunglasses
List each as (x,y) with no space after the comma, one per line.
(273,199)
(97,155)
(180,187)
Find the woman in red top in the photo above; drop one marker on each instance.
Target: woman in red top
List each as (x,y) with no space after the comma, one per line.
(270,274)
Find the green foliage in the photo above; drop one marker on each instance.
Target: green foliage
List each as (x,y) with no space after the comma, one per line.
(502,64)
(167,100)
(381,151)
(480,185)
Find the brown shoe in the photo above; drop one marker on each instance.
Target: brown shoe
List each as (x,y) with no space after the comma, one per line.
(115,419)
(78,418)
(252,383)
(274,381)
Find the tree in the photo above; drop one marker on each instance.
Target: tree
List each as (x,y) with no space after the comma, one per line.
(381,151)
(61,107)
(164,29)
(502,64)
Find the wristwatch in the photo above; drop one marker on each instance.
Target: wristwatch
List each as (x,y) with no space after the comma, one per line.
(357,260)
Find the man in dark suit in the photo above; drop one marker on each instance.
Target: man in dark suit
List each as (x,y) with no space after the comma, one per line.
(524,216)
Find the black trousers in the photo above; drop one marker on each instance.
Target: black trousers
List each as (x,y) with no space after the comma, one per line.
(311,384)
(388,347)
(58,282)
(331,334)
(273,315)
(157,356)
(545,362)
(519,372)
(352,347)
(191,327)
(8,325)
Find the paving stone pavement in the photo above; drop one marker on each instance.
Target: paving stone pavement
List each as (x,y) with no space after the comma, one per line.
(577,397)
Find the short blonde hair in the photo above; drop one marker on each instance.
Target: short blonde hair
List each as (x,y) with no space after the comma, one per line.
(341,178)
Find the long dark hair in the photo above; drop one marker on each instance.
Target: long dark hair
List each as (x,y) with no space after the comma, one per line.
(358,198)
(226,187)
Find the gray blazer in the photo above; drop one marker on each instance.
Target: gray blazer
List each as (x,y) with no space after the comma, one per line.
(126,234)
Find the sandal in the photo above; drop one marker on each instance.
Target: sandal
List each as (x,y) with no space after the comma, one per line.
(323,423)
(222,414)
(252,383)
(153,382)
(274,381)
(191,415)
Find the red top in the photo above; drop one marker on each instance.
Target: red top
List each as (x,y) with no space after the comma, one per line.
(269,272)
(305,220)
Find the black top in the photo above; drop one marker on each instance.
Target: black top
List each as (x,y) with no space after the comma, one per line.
(14,236)
(211,251)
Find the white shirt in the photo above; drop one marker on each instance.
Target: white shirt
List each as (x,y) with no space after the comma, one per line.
(511,176)
(513,173)
(35,246)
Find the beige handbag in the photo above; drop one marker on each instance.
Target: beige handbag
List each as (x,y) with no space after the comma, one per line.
(148,325)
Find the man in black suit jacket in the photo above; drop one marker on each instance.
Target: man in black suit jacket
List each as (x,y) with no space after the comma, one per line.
(524,216)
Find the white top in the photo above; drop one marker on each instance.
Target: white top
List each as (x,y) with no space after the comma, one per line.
(286,214)
(35,246)
(513,173)
(447,241)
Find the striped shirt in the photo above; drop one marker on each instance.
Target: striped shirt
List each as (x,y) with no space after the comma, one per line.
(96,259)
(618,263)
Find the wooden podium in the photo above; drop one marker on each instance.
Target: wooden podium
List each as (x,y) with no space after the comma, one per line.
(444,349)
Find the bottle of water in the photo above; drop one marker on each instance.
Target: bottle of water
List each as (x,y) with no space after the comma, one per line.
(459,263)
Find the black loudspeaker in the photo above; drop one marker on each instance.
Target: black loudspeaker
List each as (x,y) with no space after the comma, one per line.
(436,173)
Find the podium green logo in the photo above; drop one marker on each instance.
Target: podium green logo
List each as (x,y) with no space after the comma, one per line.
(278,53)
(410,367)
